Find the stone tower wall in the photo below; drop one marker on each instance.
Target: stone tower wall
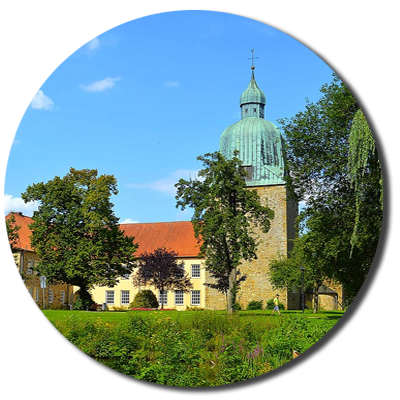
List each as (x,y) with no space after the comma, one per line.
(275,243)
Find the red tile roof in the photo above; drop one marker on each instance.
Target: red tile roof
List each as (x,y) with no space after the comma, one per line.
(176,236)
(24,232)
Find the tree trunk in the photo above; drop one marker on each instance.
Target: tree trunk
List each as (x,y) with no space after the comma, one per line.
(315,299)
(232,291)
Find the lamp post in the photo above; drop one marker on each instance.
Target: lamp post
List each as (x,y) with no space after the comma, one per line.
(302,288)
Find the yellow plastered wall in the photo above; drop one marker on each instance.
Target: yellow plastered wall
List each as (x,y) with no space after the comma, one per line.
(124,292)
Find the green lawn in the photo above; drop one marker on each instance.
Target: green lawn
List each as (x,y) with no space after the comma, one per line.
(119,316)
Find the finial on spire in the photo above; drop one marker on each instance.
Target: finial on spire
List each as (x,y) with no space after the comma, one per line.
(252,59)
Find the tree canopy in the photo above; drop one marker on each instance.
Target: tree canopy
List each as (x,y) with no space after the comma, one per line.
(76,233)
(162,270)
(318,148)
(224,214)
(364,169)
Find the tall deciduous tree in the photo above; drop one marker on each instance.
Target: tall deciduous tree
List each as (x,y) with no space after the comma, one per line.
(225,212)
(285,273)
(162,270)
(75,231)
(317,153)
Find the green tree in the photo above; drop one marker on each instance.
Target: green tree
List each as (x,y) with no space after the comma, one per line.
(317,153)
(285,273)
(162,270)
(364,168)
(75,231)
(316,146)
(12,231)
(225,212)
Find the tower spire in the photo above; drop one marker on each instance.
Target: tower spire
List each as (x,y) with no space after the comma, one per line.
(252,59)
(252,100)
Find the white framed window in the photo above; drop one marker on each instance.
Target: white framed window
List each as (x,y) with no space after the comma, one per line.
(62,297)
(31,291)
(195,270)
(124,296)
(163,297)
(29,270)
(51,296)
(179,297)
(37,294)
(110,296)
(195,297)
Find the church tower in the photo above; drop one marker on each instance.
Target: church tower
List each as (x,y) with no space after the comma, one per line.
(260,146)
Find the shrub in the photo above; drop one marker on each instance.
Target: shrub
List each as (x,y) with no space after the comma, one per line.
(255,305)
(144,299)
(117,308)
(271,305)
(83,300)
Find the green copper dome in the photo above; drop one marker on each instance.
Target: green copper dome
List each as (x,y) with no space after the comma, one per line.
(253,94)
(259,142)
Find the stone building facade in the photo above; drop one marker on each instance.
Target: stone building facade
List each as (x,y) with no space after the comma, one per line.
(26,259)
(276,242)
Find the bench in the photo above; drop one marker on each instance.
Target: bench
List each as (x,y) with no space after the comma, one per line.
(96,307)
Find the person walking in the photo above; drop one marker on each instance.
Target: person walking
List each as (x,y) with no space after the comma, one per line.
(276,305)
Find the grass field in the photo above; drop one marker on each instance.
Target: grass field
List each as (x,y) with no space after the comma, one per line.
(117,316)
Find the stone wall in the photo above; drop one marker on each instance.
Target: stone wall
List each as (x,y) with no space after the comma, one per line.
(330,297)
(273,244)
(26,262)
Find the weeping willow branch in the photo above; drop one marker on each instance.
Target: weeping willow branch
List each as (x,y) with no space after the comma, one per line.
(361,149)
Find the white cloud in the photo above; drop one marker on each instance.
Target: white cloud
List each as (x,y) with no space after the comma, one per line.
(99,86)
(129,221)
(171,83)
(166,185)
(18,205)
(33,97)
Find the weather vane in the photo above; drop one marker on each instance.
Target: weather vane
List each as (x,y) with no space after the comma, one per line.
(252,59)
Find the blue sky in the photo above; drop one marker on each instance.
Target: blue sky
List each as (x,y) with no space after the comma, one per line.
(143,100)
